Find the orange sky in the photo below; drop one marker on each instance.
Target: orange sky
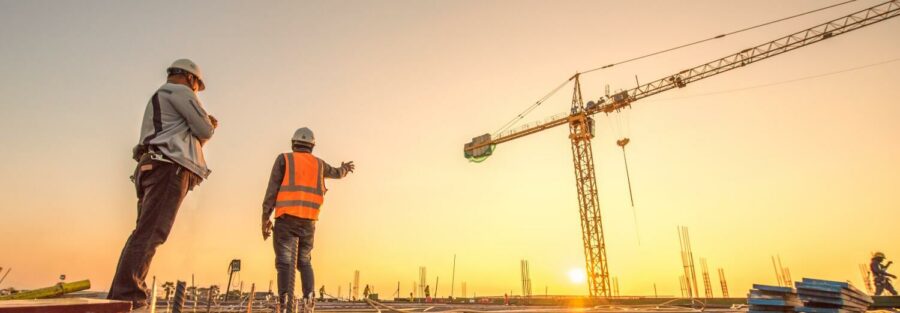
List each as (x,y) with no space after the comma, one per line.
(806,170)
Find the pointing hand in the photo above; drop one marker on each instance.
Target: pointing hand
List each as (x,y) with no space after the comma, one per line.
(348,166)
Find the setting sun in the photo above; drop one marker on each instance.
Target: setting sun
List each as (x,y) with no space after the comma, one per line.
(577,276)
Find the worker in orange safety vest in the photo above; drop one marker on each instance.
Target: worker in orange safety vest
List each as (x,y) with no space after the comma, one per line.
(296,193)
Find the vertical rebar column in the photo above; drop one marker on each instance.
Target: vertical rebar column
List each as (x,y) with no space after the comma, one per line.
(422,281)
(723,283)
(153,296)
(452,278)
(707,284)
(178,305)
(250,299)
(355,285)
(687,260)
(209,300)
(778,278)
(866,277)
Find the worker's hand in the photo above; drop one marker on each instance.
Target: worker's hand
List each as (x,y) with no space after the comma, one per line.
(266,229)
(214,121)
(348,166)
(889,263)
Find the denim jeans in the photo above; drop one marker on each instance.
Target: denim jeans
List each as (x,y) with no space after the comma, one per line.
(293,241)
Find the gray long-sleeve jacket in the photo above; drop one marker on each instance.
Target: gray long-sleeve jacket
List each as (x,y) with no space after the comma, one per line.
(277,177)
(176,125)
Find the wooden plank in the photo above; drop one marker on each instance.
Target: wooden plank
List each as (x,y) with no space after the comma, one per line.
(67,305)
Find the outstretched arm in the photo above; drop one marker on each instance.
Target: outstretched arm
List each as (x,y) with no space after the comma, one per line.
(339,172)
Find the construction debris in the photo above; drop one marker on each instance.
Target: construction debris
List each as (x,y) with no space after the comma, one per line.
(823,296)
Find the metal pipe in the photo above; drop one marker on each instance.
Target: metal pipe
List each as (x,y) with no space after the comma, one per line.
(49,292)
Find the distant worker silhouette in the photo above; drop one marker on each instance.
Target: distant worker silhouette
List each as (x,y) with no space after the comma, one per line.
(882,277)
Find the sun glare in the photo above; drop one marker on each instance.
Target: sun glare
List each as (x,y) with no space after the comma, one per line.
(577,276)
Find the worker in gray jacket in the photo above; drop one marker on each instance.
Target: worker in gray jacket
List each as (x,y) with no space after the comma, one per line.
(170,163)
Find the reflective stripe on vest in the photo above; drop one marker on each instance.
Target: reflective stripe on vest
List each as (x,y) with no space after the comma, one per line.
(302,189)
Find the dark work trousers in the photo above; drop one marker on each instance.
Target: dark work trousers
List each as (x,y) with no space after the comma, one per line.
(293,241)
(883,283)
(161,186)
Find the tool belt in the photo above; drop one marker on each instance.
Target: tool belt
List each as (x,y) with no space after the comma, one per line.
(142,153)
(138,151)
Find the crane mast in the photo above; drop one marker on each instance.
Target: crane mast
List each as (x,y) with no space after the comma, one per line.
(581,131)
(581,125)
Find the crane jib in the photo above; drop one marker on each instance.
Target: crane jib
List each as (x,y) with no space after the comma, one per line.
(803,38)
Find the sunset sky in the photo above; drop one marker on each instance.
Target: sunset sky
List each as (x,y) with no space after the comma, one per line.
(756,162)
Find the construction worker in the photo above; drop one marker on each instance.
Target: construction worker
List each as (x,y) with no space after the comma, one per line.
(322,293)
(882,277)
(295,193)
(170,163)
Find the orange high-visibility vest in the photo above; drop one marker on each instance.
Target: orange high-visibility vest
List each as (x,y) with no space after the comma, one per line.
(303,188)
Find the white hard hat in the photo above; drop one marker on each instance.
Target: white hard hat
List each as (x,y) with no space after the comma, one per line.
(188,66)
(304,135)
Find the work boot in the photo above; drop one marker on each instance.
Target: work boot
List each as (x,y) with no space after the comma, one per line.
(308,305)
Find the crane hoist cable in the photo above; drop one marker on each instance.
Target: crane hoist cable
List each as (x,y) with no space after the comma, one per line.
(622,143)
(528,110)
(532,107)
(717,37)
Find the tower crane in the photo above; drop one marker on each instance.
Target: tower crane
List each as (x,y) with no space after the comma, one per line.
(581,123)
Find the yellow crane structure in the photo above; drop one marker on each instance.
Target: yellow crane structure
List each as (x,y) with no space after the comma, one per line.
(581,124)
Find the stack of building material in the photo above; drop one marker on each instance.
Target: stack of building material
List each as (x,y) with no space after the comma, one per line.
(823,296)
(772,299)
